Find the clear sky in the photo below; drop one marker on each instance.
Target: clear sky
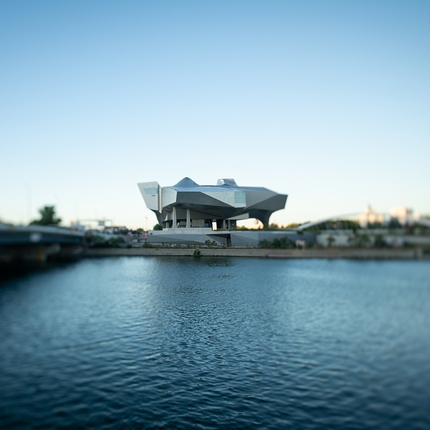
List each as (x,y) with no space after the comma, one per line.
(327,101)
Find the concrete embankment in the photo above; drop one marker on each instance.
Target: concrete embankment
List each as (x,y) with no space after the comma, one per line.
(363,253)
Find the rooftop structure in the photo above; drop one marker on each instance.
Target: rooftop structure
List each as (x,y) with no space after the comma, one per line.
(190,205)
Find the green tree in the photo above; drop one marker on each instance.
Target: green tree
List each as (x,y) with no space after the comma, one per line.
(95,241)
(47,217)
(272,226)
(277,243)
(158,227)
(360,240)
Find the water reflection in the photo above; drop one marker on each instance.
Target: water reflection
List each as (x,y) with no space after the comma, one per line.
(179,342)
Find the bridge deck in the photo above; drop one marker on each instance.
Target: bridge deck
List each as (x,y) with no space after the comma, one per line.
(35,234)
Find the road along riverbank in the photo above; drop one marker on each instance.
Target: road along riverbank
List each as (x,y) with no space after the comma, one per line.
(332,253)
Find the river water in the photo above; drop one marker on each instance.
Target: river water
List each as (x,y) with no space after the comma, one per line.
(135,342)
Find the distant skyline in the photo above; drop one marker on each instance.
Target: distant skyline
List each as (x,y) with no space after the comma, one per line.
(326,101)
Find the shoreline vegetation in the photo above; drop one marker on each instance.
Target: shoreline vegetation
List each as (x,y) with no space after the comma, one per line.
(325,253)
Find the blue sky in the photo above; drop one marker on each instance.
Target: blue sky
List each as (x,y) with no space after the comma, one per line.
(327,101)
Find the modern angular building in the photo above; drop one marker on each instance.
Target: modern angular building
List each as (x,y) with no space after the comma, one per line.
(190,205)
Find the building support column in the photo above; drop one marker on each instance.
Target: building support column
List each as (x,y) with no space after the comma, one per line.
(188,219)
(174,217)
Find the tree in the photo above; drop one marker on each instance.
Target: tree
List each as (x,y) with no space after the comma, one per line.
(360,240)
(330,241)
(158,227)
(272,226)
(277,243)
(47,217)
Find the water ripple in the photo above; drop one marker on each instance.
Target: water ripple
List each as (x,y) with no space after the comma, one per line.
(217,343)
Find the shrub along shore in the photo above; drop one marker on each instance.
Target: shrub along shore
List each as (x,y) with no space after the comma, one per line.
(330,253)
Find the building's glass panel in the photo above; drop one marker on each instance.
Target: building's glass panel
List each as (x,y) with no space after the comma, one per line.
(151,190)
(240,197)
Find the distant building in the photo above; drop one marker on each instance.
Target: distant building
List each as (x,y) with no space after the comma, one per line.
(370,217)
(190,205)
(403,215)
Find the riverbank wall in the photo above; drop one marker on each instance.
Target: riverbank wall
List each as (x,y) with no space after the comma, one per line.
(332,253)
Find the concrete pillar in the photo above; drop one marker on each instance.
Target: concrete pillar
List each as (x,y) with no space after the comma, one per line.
(188,219)
(174,217)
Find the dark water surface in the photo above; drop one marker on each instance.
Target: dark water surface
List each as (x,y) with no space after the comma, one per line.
(217,343)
